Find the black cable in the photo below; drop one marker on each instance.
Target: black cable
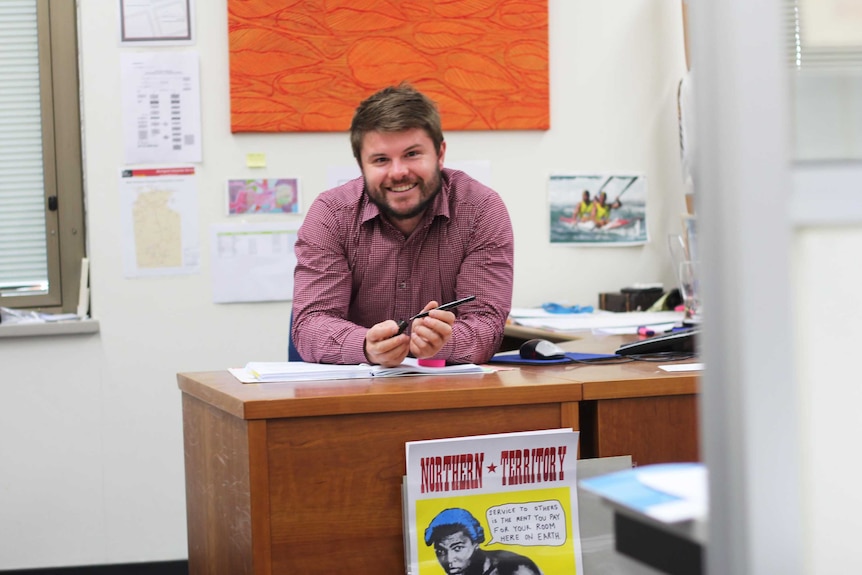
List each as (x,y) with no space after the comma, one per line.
(663,356)
(604,360)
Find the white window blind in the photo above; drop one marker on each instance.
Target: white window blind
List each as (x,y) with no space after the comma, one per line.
(810,45)
(23,250)
(824,49)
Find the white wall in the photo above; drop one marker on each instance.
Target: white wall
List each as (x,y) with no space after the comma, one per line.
(826,281)
(91,432)
(781,393)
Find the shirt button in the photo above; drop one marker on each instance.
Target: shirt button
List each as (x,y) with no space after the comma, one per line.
(403,285)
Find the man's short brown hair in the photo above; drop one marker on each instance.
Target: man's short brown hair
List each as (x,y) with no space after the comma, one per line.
(395,109)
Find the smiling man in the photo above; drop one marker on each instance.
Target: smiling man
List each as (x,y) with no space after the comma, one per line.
(407,236)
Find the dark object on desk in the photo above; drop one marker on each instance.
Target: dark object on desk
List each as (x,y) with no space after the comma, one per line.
(673,299)
(541,349)
(570,357)
(402,325)
(661,549)
(676,341)
(630,299)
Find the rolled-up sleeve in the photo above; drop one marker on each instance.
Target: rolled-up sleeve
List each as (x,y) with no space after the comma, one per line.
(320,329)
(486,272)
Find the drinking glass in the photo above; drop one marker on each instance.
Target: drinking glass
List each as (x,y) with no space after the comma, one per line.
(689,287)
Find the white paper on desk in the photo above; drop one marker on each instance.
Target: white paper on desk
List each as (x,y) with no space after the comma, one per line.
(284,371)
(593,321)
(518,313)
(253,262)
(280,371)
(689,483)
(521,314)
(682,367)
(633,329)
(669,492)
(411,366)
(245,375)
(525,312)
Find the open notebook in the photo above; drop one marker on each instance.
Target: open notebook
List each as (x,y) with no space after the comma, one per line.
(264,371)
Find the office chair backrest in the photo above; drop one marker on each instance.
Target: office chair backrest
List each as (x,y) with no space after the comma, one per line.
(292,353)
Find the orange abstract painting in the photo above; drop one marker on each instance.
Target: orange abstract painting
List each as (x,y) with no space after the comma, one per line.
(304,65)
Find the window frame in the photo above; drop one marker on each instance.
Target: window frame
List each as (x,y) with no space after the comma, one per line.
(62,158)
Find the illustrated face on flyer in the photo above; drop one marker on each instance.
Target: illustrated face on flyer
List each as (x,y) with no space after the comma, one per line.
(494,505)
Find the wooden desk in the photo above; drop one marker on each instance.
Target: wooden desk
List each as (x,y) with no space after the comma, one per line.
(632,408)
(305,478)
(628,409)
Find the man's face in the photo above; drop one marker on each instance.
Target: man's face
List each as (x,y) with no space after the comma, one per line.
(455,552)
(402,172)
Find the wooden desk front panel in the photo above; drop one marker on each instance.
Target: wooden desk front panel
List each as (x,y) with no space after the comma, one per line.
(335,481)
(650,429)
(218,491)
(634,408)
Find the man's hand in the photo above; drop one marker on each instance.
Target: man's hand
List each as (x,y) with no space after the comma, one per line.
(430,333)
(384,349)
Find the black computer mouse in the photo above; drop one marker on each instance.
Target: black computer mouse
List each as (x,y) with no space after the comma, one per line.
(541,349)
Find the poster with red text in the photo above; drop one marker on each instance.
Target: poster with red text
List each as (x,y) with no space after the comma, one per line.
(493,504)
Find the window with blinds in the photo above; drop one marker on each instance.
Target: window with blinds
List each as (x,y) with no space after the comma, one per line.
(824,50)
(824,34)
(41,195)
(23,231)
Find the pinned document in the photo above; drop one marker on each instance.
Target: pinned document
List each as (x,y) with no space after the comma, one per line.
(253,262)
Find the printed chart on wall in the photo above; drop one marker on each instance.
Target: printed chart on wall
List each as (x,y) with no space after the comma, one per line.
(503,503)
(159,220)
(598,209)
(253,262)
(161,107)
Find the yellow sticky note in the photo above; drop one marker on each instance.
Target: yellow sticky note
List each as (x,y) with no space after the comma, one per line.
(255,160)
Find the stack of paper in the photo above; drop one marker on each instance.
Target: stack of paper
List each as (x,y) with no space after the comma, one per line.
(669,492)
(262,371)
(301,371)
(605,321)
(410,366)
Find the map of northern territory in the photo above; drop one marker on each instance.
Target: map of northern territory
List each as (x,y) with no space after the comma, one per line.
(157,229)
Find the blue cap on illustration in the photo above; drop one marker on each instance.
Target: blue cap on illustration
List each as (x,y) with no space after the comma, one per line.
(456,517)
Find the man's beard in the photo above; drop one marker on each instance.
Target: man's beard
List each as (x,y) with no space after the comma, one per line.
(429,191)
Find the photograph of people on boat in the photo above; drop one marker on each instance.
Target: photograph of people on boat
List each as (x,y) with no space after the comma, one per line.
(605,209)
